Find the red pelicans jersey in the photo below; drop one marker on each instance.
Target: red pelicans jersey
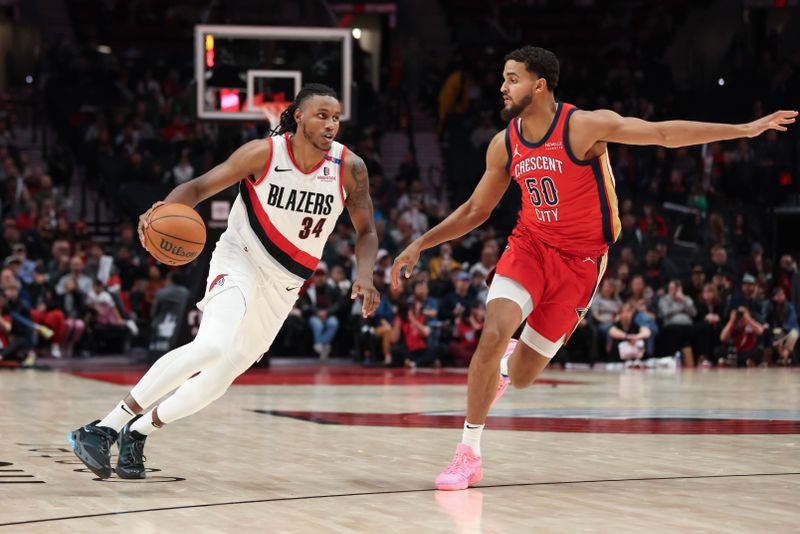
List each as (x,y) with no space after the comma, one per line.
(287,214)
(568,203)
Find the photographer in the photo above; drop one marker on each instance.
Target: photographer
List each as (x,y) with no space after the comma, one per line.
(740,338)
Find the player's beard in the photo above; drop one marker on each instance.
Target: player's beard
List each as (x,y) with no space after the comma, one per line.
(509,113)
(310,139)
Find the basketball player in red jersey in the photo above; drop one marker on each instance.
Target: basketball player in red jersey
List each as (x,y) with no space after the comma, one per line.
(292,188)
(556,254)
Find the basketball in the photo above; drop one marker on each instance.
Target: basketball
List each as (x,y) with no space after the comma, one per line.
(175,235)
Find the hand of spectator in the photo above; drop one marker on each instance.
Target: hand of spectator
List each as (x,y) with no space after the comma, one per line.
(712,318)
(774,121)
(322,314)
(144,221)
(408,259)
(371,296)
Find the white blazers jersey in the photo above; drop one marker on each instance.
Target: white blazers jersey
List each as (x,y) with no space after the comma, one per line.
(288,214)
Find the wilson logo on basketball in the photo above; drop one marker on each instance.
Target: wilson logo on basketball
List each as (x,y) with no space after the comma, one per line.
(175,250)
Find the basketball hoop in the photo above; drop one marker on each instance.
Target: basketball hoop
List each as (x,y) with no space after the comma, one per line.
(272,111)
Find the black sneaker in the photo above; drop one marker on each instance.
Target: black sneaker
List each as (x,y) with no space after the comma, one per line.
(131,459)
(92,445)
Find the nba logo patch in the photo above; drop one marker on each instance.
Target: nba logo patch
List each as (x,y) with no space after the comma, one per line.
(326,171)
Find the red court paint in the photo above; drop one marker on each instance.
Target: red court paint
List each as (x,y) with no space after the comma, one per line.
(553,424)
(320,375)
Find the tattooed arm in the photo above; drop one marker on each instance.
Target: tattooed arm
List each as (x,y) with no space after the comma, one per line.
(359,205)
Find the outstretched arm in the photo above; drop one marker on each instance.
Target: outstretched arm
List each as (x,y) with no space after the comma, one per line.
(248,159)
(359,205)
(590,127)
(468,215)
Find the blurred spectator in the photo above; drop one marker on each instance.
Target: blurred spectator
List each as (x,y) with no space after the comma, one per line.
(782,327)
(756,264)
(655,275)
(22,334)
(183,170)
(708,324)
(466,333)
(444,263)
(73,303)
(651,224)
(25,266)
(747,297)
(697,282)
(321,304)
(487,262)
(719,262)
(606,306)
(410,335)
(677,311)
(75,273)
(628,337)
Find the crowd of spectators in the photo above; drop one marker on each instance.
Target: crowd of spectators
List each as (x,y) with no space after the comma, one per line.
(695,276)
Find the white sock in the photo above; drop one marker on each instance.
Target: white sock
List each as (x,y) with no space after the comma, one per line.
(145,425)
(118,417)
(504,365)
(472,437)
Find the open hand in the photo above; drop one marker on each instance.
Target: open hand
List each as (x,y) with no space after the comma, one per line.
(774,121)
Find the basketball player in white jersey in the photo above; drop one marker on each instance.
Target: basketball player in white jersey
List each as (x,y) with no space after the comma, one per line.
(292,188)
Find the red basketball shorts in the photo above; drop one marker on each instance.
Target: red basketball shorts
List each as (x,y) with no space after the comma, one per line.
(560,285)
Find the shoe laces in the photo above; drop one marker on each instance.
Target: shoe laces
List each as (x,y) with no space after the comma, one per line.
(106,437)
(136,451)
(459,466)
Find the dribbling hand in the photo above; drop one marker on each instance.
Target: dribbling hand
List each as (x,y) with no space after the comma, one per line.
(408,259)
(774,121)
(144,221)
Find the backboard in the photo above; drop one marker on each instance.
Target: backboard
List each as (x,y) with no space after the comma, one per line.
(253,72)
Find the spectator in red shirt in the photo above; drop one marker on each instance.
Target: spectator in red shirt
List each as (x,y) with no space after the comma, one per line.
(410,334)
(466,333)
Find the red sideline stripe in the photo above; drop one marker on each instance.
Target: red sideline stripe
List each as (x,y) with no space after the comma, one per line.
(554,424)
(215,280)
(321,375)
(300,256)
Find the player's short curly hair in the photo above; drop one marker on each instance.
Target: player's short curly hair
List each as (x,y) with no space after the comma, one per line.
(539,61)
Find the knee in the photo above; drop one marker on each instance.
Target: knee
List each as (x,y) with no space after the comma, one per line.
(492,337)
(492,341)
(210,350)
(333,322)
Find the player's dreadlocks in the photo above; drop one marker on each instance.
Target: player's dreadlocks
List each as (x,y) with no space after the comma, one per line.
(287,122)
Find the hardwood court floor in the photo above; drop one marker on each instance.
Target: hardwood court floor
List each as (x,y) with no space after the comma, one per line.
(324,449)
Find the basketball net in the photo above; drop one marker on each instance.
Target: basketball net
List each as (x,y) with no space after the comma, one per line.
(272,111)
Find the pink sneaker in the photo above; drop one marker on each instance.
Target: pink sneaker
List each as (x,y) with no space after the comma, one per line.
(465,469)
(504,381)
